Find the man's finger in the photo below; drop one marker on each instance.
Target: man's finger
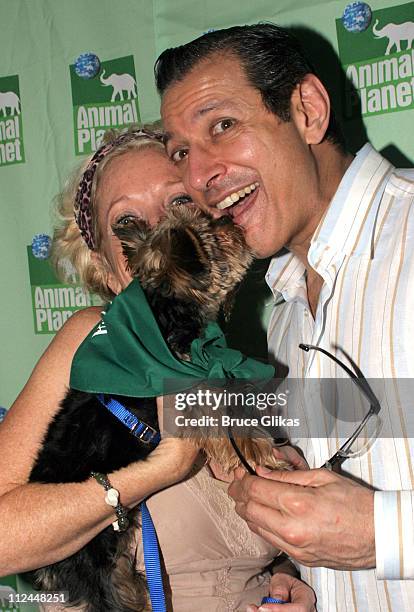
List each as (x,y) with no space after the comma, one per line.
(239,473)
(268,490)
(272,537)
(290,454)
(308,478)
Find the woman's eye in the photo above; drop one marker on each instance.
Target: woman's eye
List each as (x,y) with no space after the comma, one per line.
(179,155)
(182,199)
(126,220)
(222,126)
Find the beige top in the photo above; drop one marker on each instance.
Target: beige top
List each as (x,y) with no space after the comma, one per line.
(213,561)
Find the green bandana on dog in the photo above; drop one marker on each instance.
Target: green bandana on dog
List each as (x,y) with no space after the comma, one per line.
(125,354)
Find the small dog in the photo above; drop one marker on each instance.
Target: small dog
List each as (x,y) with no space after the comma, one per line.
(189,266)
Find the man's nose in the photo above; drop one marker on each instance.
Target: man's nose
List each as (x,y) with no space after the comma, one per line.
(204,170)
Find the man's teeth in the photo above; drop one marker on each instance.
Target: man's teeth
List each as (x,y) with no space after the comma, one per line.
(235,197)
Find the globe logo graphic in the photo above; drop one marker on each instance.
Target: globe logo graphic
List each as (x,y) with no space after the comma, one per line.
(87,65)
(41,244)
(357,17)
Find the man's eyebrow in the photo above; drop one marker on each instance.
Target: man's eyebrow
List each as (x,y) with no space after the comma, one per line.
(203,111)
(214,106)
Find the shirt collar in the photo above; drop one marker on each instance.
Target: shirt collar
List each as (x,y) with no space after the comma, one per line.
(346,227)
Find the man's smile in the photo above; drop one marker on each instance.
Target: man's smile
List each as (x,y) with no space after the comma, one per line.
(236,196)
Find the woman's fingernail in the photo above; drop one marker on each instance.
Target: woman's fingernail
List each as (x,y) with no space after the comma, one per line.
(249,609)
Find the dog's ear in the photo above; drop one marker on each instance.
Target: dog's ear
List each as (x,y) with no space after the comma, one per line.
(183,253)
(187,252)
(182,263)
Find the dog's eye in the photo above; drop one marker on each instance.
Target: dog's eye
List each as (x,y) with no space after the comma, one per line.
(180,200)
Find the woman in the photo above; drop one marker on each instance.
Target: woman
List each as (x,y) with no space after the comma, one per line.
(209,552)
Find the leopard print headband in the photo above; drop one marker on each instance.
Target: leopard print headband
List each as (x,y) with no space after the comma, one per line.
(82,208)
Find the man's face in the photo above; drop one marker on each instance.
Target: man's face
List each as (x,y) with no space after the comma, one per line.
(229,147)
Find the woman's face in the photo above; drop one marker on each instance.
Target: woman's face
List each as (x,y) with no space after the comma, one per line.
(137,184)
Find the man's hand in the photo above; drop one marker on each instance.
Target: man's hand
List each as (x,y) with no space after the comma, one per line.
(291,455)
(300,596)
(317,517)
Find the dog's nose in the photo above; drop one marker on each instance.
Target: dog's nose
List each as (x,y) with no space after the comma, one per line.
(224,221)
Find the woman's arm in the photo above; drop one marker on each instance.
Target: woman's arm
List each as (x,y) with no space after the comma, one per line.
(43,523)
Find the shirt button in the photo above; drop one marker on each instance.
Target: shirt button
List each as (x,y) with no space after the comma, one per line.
(306,312)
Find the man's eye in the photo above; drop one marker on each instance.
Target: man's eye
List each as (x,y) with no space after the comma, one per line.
(222,126)
(179,155)
(181,199)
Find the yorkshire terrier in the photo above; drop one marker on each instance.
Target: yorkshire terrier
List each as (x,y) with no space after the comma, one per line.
(189,266)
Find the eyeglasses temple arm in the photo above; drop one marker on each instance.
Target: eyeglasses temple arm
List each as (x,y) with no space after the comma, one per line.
(359,380)
(238,452)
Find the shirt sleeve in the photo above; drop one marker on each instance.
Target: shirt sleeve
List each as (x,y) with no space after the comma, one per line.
(394,534)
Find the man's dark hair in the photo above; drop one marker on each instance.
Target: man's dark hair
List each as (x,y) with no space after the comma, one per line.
(272,58)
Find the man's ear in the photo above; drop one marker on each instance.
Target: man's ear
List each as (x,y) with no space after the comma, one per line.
(311,109)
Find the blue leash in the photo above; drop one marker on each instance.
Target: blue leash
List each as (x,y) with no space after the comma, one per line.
(147,435)
(152,561)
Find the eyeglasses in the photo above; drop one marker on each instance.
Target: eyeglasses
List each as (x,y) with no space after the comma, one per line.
(355,444)
(353,447)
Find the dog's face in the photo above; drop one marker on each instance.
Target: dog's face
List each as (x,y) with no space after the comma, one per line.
(188,256)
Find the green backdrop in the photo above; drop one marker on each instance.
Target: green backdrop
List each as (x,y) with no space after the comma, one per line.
(41,40)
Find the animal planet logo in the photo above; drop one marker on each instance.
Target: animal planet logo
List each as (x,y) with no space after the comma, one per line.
(379,63)
(11,129)
(53,303)
(109,100)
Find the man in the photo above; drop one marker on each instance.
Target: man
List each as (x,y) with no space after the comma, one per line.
(249,124)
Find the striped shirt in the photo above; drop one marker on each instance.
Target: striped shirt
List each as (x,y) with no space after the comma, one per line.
(363,250)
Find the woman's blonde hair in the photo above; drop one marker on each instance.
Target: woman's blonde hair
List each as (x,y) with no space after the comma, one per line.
(69,250)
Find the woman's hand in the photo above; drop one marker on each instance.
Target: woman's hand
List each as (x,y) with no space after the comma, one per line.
(300,596)
(173,458)
(171,461)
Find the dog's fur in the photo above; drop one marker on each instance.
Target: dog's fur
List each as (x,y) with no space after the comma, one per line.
(188,265)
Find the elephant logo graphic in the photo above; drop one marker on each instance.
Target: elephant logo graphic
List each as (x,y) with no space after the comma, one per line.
(120,83)
(395,34)
(68,271)
(6,592)
(9,99)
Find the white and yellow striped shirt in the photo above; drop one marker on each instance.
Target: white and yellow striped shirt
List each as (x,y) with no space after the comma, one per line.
(364,251)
